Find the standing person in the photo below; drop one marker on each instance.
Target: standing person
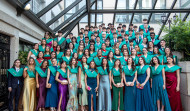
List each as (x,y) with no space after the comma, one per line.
(47,53)
(98,59)
(29,94)
(59,53)
(51,84)
(33,52)
(15,83)
(61,78)
(72,71)
(42,46)
(67,57)
(168,52)
(158,84)
(83,100)
(144,99)
(91,84)
(49,40)
(146,56)
(117,80)
(41,74)
(173,84)
(61,41)
(39,59)
(130,76)
(104,91)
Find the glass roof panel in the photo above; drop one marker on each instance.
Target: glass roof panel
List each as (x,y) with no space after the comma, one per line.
(138,17)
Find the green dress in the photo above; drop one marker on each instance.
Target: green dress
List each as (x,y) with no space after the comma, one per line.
(117,79)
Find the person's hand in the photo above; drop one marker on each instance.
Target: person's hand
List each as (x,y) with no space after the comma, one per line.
(48,85)
(96,89)
(70,86)
(86,88)
(110,86)
(151,85)
(37,85)
(132,84)
(143,84)
(126,84)
(10,89)
(164,86)
(177,88)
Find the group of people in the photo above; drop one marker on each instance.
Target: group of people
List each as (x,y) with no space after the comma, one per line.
(103,69)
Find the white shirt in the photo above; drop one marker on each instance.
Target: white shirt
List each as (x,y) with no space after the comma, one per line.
(59,38)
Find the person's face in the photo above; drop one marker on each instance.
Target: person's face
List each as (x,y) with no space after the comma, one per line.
(41,54)
(108,30)
(125,53)
(53,55)
(131,27)
(111,54)
(146,26)
(141,32)
(91,47)
(93,37)
(124,46)
(155,60)
(70,35)
(86,40)
(104,62)
(117,63)
(126,37)
(84,59)
(124,28)
(92,64)
(137,36)
(81,48)
(141,61)
(47,49)
(60,34)
(114,31)
(130,32)
(155,50)
(47,35)
(68,52)
(169,60)
(144,51)
(117,45)
(71,46)
(117,51)
(136,47)
(167,50)
(163,43)
(99,53)
(64,65)
(133,52)
(54,62)
(43,42)
(151,31)
(119,29)
(36,46)
(86,52)
(152,36)
(103,46)
(144,40)
(55,43)
(107,42)
(81,36)
(74,61)
(145,21)
(120,39)
(104,30)
(86,32)
(58,48)
(95,34)
(103,35)
(150,44)
(75,55)
(74,40)
(130,61)
(45,64)
(115,35)
(95,29)
(17,63)
(82,30)
(31,62)
(135,29)
(131,43)
(98,39)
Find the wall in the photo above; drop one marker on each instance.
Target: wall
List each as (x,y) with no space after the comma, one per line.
(17,27)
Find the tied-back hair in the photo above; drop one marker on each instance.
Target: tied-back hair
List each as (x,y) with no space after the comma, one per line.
(45,60)
(15,62)
(31,68)
(152,63)
(133,64)
(107,66)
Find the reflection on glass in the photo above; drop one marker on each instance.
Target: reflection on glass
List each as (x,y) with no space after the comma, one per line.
(123,18)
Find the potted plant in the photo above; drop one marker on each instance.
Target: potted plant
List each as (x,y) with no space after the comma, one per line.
(23,57)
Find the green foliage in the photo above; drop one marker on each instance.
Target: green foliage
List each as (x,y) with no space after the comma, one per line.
(179,34)
(23,57)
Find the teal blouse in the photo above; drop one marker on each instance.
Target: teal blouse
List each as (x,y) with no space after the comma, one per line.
(101,71)
(64,74)
(115,72)
(90,73)
(142,70)
(30,73)
(129,72)
(73,70)
(157,71)
(172,69)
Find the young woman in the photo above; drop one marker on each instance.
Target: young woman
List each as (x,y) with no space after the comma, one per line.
(33,52)
(39,59)
(130,76)
(117,80)
(41,74)
(144,43)
(98,59)
(49,40)
(51,84)
(143,98)
(156,53)
(146,56)
(72,48)
(172,72)
(124,47)
(72,71)
(134,56)
(104,51)
(67,57)
(80,52)
(158,84)
(117,54)
(91,84)
(53,56)
(29,94)
(54,46)
(150,47)
(110,60)
(87,54)
(61,78)
(124,58)
(59,54)
(15,82)
(83,100)
(47,53)
(42,46)
(93,53)
(104,92)
(168,52)
(139,53)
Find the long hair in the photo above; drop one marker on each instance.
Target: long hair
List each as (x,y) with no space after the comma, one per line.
(133,64)
(39,53)
(31,68)
(107,66)
(70,63)
(171,56)
(94,64)
(93,48)
(109,55)
(143,61)
(15,62)
(156,49)
(45,60)
(62,63)
(88,52)
(48,34)
(78,49)
(55,54)
(170,51)
(46,51)
(120,68)
(82,62)
(152,63)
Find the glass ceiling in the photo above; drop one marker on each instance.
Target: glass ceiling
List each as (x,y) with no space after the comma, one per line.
(66,14)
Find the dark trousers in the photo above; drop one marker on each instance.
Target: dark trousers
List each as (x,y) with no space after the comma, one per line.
(15,93)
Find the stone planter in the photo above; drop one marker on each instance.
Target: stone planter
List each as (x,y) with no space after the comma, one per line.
(185,84)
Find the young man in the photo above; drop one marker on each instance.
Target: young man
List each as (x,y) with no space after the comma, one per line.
(103,37)
(135,28)
(137,40)
(114,40)
(131,35)
(146,30)
(131,46)
(151,29)
(85,33)
(142,26)
(61,41)
(80,37)
(141,34)
(155,42)
(126,40)
(163,46)
(98,43)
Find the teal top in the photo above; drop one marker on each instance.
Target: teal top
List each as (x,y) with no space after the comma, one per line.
(73,70)
(64,74)
(37,63)
(67,60)
(165,59)
(111,62)
(161,50)
(98,61)
(122,60)
(91,73)
(115,72)
(50,63)
(101,71)
(47,55)
(34,52)
(129,72)
(80,56)
(93,54)
(41,72)
(48,40)
(53,70)
(172,69)
(157,71)
(136,60)
(160,57)
(142,70)
(147,58)
(14,73)
(60,41)
(41,48)
(30,73)
(89,60)
(59,56)
(105,53)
